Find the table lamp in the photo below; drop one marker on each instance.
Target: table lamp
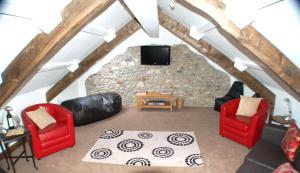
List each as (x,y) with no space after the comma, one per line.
(289,114)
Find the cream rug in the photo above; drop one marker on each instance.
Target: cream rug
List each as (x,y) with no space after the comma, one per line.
(146,148)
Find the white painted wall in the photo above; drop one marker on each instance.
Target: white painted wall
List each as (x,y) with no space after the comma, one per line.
(22,101)
(281,106)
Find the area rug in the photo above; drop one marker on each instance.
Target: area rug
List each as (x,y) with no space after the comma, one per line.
(146,148)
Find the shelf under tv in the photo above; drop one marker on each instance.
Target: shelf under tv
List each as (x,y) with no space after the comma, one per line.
(155,98)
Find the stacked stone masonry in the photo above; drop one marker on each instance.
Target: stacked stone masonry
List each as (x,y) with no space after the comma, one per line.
(189,76)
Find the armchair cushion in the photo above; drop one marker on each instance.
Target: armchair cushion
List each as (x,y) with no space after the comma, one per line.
(41,117)
(53,131)
(248,106)
(236,124)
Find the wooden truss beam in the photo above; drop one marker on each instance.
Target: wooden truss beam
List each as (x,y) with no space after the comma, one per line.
(216,56)
(44,46)
(92,58)
(252,44)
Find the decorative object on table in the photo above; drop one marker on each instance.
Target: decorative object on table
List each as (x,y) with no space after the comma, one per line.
(7,140)
(281,119)
(179,103)
(17,121)
(54,137)
(289,114)
(235,91)
(245,130)
(146,148)
(10,121)
(94,108)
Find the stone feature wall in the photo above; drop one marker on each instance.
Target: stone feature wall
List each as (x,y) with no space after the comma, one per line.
(189,76)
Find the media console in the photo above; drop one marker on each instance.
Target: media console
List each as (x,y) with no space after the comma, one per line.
(154,100)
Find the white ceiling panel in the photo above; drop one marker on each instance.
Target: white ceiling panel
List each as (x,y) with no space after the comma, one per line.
(43,79)
(283,20)
(145,11)
(15,34)
(263,77)
(113,18)
(214,38)
(78,48)
(182,15)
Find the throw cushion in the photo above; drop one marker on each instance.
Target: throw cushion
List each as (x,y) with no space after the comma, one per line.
(248,106)
(290,142)
(41,117)
(285,168)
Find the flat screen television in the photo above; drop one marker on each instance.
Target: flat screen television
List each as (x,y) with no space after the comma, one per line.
(155,55)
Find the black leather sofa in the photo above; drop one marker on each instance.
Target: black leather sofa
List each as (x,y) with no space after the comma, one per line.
(234,92)
(267,154)
(94,108)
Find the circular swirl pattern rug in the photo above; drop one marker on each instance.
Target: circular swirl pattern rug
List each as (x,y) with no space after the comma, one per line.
(146,148)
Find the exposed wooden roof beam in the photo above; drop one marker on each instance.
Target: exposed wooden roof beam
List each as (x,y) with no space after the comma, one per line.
(252,44)
(216,56)
(92,58)
(44,46)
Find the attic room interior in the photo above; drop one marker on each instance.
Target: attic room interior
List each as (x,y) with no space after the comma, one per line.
(149,86)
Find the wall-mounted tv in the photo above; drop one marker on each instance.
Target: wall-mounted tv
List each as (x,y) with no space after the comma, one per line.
(155,55)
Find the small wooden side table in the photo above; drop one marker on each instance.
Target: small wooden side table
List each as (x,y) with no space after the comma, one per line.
(5,141)
(143,99)
(281,120)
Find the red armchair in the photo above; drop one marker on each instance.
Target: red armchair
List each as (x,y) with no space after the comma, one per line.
(54,137)
(242,129)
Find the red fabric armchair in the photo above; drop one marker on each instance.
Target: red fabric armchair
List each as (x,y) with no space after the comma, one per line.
(242,129)
(54,137)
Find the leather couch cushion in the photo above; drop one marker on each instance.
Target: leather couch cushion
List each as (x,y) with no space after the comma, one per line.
(266,155)
(250,167)
(52,132)
(296,163)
